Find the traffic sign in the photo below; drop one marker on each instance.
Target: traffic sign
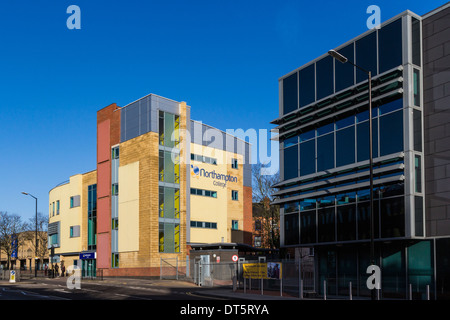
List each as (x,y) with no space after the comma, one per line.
(12,277)
(235,258)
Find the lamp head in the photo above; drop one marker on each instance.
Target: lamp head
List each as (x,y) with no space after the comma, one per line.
(337,56)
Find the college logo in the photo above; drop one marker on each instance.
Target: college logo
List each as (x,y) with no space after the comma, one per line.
(195,171)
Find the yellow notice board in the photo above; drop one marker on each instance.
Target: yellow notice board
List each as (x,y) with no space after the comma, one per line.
(270,270)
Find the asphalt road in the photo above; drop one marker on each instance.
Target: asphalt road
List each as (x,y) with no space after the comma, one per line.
(117,289)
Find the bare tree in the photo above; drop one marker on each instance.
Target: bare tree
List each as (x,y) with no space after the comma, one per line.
(267,214)
(42,240)
(12,233)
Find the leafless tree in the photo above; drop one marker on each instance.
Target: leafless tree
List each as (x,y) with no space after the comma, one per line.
(12,234)
(42,240)
(267,214)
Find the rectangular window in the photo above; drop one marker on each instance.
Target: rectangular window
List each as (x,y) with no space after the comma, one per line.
(53,207)
(57,207)
(366,56)
(290,97)
(417,123)
(114,260)
(416,54)
(291,227)
(325,152)
(115,224)
(71,204)
(74,231)
(308,226)
(115,189)
(234,163)
(344,72)
(391,133)
(416,89)
(290,162)
(345,146)
(418,173)
(234,225)
(234,195)
(204,225)
(362,140)
(307,157)
(390,45)
(74,201)
(199,158)
(205,193)
(115,153)
(169,237)
(324,77)
(306,84)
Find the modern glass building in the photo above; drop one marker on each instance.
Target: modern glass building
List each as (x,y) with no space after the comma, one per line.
(323,128)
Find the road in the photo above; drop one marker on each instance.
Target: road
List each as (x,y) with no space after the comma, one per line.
(114,289)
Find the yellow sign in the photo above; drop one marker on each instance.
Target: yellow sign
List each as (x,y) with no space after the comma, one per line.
(270,270)
(12,277)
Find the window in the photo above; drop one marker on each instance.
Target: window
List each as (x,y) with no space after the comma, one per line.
(416,55)
(74,231)
(392,217)
(417,124)
(53,207)
(290,102)
(169,202)
(199,158)
(169,167)
(306,84)
(307,157)
(115,189)
(115,260)
(291,162)
(325,152)
(115,224)
(234,225)
(391,133)
(57,207)
(362,140)
(418,173)
(346,222)
(234,163)
(74,201)
(257,242)
(390,45)
(416,89)
(308,226)
(169,125)
(291,227)
(234,195)
(366,56)
(324,76)
(169,237)
(205,225)
(344,72)
(115,153)
(205,193)
(345,146)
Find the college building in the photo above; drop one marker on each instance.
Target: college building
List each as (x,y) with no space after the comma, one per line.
(163,183)
(324,192)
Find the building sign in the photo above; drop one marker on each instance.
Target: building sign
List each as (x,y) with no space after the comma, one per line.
(14,246)
(220,179)
(270,270)
(88,255)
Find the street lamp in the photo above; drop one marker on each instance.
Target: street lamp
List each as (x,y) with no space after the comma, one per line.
(343,59)
(36,243)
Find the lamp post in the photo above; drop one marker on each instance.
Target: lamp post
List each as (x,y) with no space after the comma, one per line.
(36,239)
(343,59)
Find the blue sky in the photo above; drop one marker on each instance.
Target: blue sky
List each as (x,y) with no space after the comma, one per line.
(223,58)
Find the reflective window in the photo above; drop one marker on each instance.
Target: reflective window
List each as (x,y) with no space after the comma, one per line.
(418,212)
(290,141)
(307,157)
(345,146)
(307,135)
(416,55)
(346,222)
(391,106)
(416,88)
(326,228)
(366,56)
(325,129)
(290,102)
(308,226)
(392,217)
(417,123)
(291,162)
(391,133)
(306,85)
(291,207)
(418,173)
(345,122)
(344,72)
(291,229)
(362,140)
(363,218)
(325,152)
(390,45)
(307,204)
(324,77)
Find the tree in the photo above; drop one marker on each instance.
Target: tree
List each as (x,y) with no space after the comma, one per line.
(267,214)
(11,228)
(42,240)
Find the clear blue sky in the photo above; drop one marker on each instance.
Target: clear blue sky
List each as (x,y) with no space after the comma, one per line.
(223,58)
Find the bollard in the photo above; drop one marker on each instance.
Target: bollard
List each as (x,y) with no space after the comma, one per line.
(428,292)
(324,289)
(350,290)
(410,291)
(301,289)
